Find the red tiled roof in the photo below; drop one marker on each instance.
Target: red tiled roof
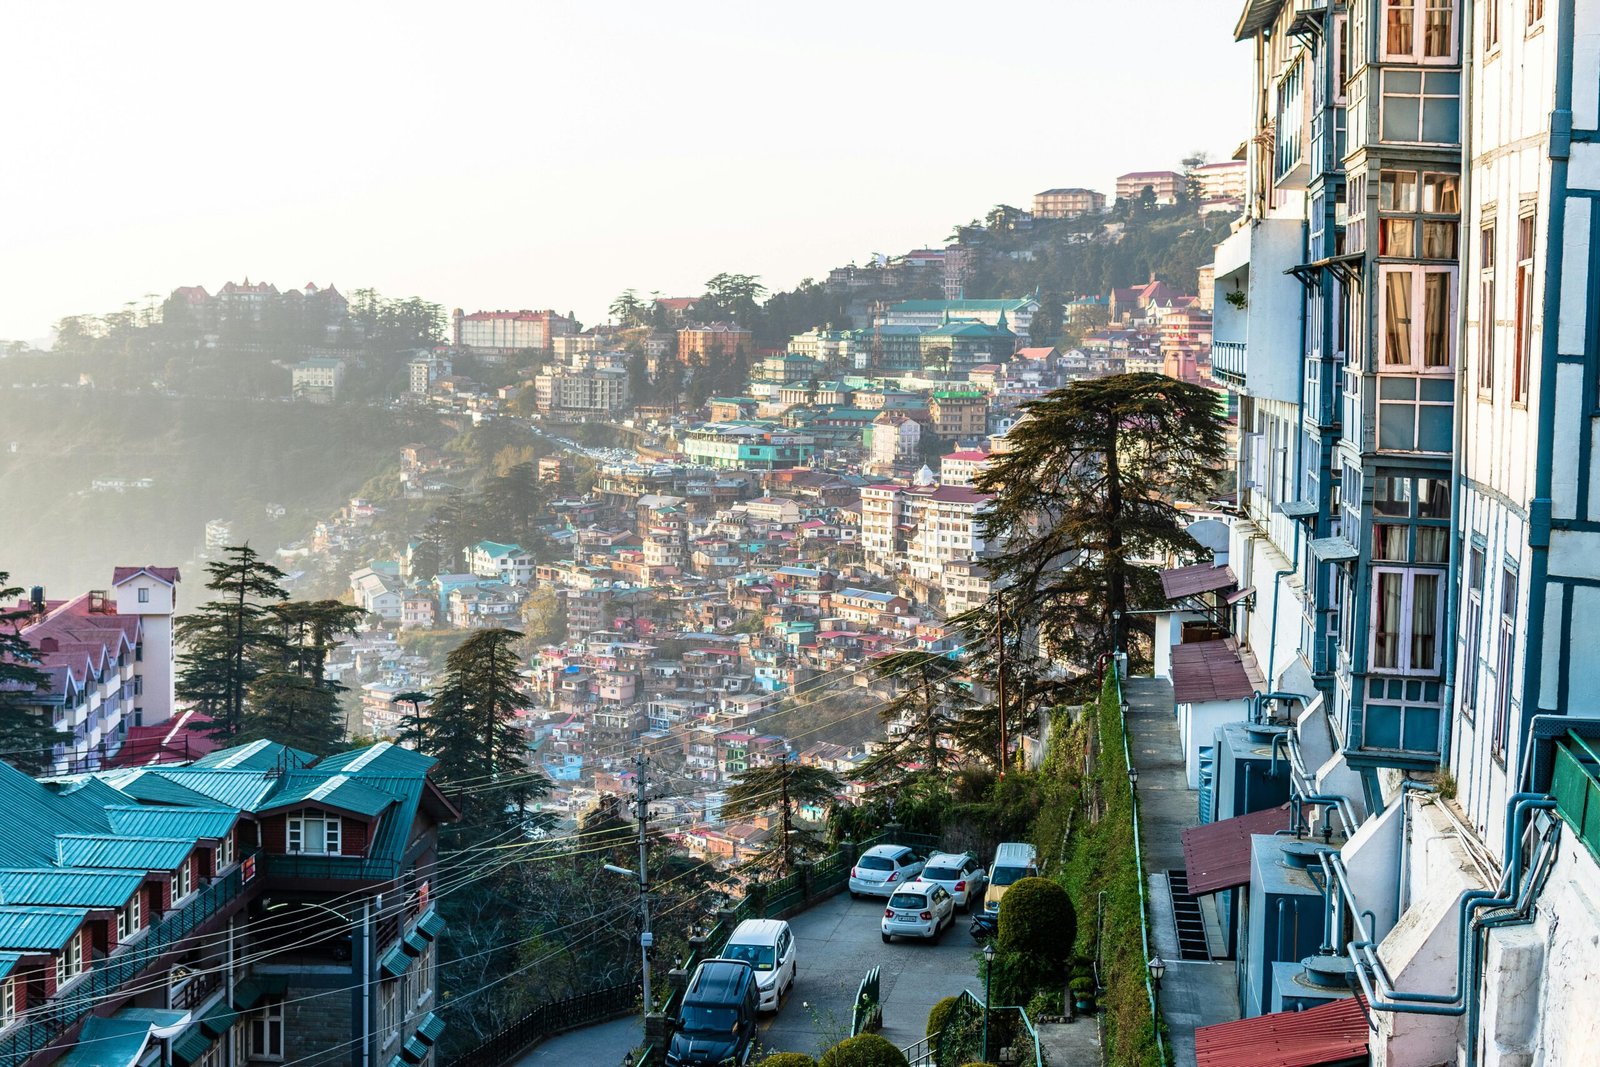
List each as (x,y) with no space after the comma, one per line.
(1203,671)
(1196,578)
(1327,1034)
(1217,855)
(160,574)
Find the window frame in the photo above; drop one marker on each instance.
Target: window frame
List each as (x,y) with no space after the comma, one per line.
(1477,570)
(1417,321)
(1421,95)
(1488,237)
(1534,12)
(1406,634)
(267,1023)
(1505,665)
(1527,298)
(1491,25)
(1418,9)
(332,833)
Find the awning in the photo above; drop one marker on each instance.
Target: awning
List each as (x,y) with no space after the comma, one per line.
(431,924)
(250,992)
(396,1061)
(414,1049)
(430,1028)
(1208,671)
(219,1019)
(1217,855)
(194,1044)
(1333,1033)
(395,962)
(1196,578)
(414,943)
(1333,549)
(1239,594)
(1297,509)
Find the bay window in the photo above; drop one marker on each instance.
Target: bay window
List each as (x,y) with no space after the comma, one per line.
(1419,31)
(1407,606)
(1421,107)
(1417,304)
(313,832)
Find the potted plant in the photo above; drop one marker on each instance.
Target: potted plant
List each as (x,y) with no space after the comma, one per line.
(1083,995)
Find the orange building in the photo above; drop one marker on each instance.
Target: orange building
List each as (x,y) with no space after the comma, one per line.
(696,343)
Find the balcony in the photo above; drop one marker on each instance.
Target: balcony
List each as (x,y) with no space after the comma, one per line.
(1227,362)
(1575,783)
(303,866)
(1259,307)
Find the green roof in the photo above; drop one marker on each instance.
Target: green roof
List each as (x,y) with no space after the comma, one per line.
(430,1028)
(194,1043)
(958,394)
(69,887)
(158,789)
(414,1049)
(953,306)
(114,1042)
(219,1019)
(383,758)
(242,789)
(432,924)
(128,853)
(415,943)
(39,929)
(35,814)
(395,962)
(8,962)
(495,548)
(250,992)
(396,1061)
(255,756)
(340,791)
(146,821)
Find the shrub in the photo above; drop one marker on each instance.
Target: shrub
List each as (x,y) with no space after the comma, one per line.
(1045,1002)
(863,1050)
(939,1013)
(975,1063)
(1036,918)
(788,1059)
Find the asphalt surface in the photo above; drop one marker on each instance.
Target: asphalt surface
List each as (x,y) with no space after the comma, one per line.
(838,941)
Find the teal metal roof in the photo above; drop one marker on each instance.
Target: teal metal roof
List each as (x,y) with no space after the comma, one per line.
(128,853)
(957,306)
(156,788)
(384,758)
(35,929)
(8,962)
(432,924)
(194,1044)
(430,1028)
(74,887)
(242,789)
(395,962)
(414,943)
(34,815)
(340,791)
(414,1049)
(113,1042)
(248,993)
(146,821)
(396,1061)
(219,1019)
(256,756)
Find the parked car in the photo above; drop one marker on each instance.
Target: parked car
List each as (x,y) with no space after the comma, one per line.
(717,1023)
(882,869)
(921,909)
(960,874)
(1013,861)
(768,946)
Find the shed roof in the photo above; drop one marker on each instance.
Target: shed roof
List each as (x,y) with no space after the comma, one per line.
(39,929)
(1197,578)
(151,821)
(1217,855)
(1206,671)
(73,887)
(1331,1033)
(117,851)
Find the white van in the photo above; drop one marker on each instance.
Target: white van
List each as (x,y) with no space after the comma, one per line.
(767,945)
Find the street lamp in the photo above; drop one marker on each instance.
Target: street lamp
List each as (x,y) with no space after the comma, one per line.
(646,938)
(1158,969)
(1133,777)
(988,982)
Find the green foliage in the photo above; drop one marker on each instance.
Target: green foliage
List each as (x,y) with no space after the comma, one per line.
(26,736)
(1045,1002)
(782,789)
(977,1063)
(788,1059)
(938,1014)
(932,703)
(1037,919)
(230,641)
(863,1050)
(1083,988)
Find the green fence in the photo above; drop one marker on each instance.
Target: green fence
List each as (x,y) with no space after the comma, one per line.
(1575,783)
(867,1012)
(961,1040)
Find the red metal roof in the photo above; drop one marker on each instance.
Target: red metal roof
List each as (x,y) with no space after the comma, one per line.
(1204,671)
(1217,855)
(1333,1033)
(1197,578)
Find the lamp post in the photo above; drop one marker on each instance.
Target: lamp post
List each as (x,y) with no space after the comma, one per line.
(1158,969)
(1133,777)
(988,983)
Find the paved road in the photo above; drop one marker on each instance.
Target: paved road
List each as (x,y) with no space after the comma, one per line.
(602,1045)
(838,941)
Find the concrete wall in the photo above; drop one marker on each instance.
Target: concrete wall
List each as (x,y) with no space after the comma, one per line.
(1197,728)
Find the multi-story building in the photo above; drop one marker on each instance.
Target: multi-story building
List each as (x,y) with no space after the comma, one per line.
(317,380)
(1219,183)
(108,663)
(751,446)
(506,332)
(918,529)
(507,563)
(954,347)
(588,390)
(961,468)
(203,914)
(698,343)
(1068,203)
(425,370)
(1015,312)
(1164,185)
(959,415)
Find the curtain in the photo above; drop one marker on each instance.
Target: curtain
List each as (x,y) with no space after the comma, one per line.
(1424,621)
(1386,642)
(1397,318)
(1436,319)
(1400,16)
(1436,29)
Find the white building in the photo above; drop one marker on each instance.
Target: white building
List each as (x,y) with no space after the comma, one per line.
(378,593)
(317,380)
(507,563)
(896,438)
(425,370)
(961,468)
(919,529)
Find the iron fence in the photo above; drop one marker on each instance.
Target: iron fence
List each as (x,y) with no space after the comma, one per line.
(550,1019)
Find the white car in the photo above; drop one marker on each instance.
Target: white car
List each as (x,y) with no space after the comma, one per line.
(767,945)
(921,909)
(882,869)
(961,875)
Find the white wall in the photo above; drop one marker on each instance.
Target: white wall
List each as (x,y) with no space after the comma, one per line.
(1197,728)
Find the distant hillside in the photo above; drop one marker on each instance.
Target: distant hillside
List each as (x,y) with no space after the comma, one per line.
(205,459)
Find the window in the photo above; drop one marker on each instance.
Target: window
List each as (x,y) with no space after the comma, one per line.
(1491,23)
(144,596)
(1436,216)
(1421,107)
(1486,309)
(314,833)
(128,917)
(8,1002)
(1474,630)
(183,881)
(225,852)
(1417,303)
(389,1012)
(1535,12)
(1406,610)
(1505,662)
(424,973)
(1522,353)
(1419,31)
(266,1032)
(69,961)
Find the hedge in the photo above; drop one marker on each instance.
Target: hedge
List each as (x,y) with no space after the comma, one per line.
(864,1050)
(788,1059)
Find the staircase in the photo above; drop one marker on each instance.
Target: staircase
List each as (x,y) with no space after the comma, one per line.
(1192,941)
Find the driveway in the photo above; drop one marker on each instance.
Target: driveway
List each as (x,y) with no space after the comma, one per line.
(838,940)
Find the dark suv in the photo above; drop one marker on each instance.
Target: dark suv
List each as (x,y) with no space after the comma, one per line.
(717,1024)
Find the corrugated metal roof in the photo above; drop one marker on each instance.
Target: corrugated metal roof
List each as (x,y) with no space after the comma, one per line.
(339,791)
(8,962)
(256,756)
(1217,855)
(77,888)
(219,1018)
(234,789)
(395,962)
(248,993)
(145,821)
(35,815)
(432,924)
(430,1028)
(1199,578)
(1206,671)
(39,929)
(414,1049)
(155,788)
(384,758)
(195,1043)
(414,943)
(109,1043)
(1327,1034)
(128,853)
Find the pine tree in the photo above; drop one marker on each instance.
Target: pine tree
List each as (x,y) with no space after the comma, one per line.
(26,735)
(293,709)
(925,719)
(782,789)
(1087,488)
(227,640)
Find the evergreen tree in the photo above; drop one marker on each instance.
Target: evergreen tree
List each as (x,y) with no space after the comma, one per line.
(293,709)
(925,719)
(26,736)
(227,640)
(781,790)
(1087,488)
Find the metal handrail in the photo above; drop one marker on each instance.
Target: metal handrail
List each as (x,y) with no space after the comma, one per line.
(1138,861)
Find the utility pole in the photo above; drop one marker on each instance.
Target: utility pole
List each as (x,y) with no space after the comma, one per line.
(645,937)
(1000,670)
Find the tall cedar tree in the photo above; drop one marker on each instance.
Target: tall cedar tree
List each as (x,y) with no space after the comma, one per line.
(293,700)
(926,717)
(781,790)
(26,736)
(1087,488)
(470,727)
(228,641)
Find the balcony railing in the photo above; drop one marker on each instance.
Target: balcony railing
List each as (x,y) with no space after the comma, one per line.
(1227,361)
(1575,783)
(48,1022)
(358,868)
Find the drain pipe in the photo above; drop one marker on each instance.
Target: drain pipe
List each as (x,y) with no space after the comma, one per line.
(1277,581)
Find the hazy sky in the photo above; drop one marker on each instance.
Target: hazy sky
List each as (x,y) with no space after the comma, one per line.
(546,154)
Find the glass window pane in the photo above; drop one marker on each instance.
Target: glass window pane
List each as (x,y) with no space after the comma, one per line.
(1397,39)
(1438,240)
(1397,237)
(1400,118)
(1392,496)
(1432,542)
(1386,621)
(1397,427)
(1436,18)
(1397,190)
(1389,542)
(1397,319)
(1441,194)
(1433,498)
(1424,621)
(1441,119)
(1436,319)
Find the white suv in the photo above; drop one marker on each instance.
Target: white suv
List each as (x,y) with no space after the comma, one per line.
(882,869)
(961,875)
